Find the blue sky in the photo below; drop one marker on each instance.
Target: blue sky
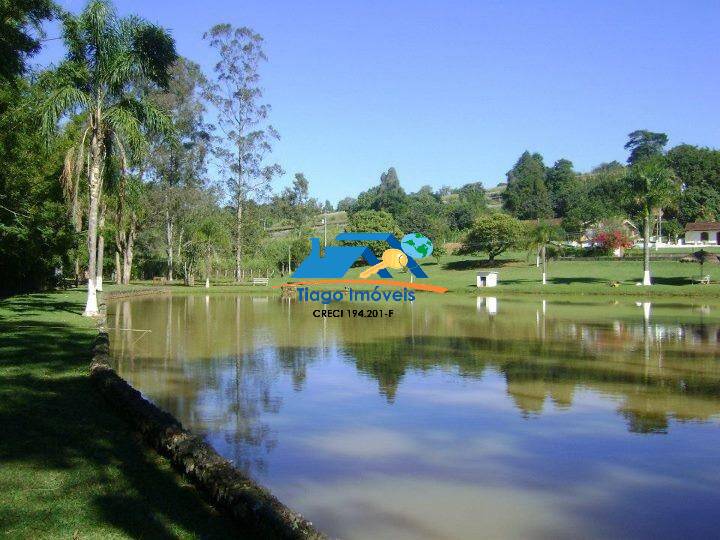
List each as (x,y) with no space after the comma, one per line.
(450,92)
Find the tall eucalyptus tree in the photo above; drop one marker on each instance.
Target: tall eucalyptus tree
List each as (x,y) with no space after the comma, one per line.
(237,95)
(177,170)
(107,58)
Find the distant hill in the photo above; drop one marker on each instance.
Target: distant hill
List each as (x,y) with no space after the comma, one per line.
(494,195)
(335,220)
(338,220)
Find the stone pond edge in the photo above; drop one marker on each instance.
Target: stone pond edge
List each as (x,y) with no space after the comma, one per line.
(228,489)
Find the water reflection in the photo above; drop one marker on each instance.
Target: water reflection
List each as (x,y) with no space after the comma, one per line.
(465,396)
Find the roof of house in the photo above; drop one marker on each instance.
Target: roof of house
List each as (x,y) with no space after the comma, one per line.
(610,223)
(703,226)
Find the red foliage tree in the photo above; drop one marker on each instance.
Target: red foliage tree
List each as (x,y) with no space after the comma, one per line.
(609,241)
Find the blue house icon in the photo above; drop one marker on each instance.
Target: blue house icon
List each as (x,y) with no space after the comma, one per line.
(337,260)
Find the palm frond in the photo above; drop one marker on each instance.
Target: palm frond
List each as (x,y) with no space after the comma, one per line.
(67,181)
(124,123)
(70,181)
(154,49)
(60,101)
(73,37)
(130,116)
(121,69)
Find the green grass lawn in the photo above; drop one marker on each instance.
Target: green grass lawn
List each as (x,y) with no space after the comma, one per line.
(69,467)
(670,278)
(518,275)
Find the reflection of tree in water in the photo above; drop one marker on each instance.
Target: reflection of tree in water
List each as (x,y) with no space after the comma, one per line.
(211,367)
(226,354)
(647,365)
(385,362)
(219,360)
(248,396)
(388,360)
(295,361)
(647,422)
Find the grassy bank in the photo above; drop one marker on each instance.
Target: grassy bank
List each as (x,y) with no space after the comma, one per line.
(520,276)
(70,468)
(579,276)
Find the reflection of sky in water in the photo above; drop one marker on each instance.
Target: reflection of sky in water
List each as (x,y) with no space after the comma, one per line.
(456,421)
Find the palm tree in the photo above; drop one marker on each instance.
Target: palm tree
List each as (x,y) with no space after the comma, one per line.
(543,236)
(651,186)
(108,58)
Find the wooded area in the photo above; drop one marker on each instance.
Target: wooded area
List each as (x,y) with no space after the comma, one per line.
(113,168)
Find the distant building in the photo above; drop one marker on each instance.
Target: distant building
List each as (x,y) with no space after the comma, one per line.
(702,232)
(628,227)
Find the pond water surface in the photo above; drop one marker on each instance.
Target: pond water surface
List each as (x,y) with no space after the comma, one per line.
(464,418)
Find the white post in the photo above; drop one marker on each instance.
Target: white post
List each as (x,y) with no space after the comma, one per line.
(91,307)
(100,261)
(646,278)
(544,278)
(207,282)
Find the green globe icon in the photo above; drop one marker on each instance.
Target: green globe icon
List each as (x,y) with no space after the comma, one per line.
(416,245)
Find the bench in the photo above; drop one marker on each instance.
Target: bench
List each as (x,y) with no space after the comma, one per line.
(261,281)
(705,280)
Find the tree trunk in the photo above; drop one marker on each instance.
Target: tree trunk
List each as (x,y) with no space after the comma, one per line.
(129,244)
(100,252)
(186,277)
(169,230)
(118,268)
(77,220)
(208,270)
(178,252)
(127,261)
(238,244)
(544,264)
(646,251)
(127,265)
(91,306)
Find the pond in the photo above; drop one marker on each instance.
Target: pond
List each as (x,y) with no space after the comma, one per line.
(457,417)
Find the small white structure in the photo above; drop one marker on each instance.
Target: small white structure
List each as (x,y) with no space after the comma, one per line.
(702,233)
(487,279)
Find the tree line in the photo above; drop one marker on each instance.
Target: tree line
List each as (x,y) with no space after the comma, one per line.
(112,167)
(536,191)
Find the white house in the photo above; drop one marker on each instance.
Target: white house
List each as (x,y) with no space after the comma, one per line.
(625,225)
(702,233)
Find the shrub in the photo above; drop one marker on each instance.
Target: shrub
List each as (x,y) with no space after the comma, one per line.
(607,242)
